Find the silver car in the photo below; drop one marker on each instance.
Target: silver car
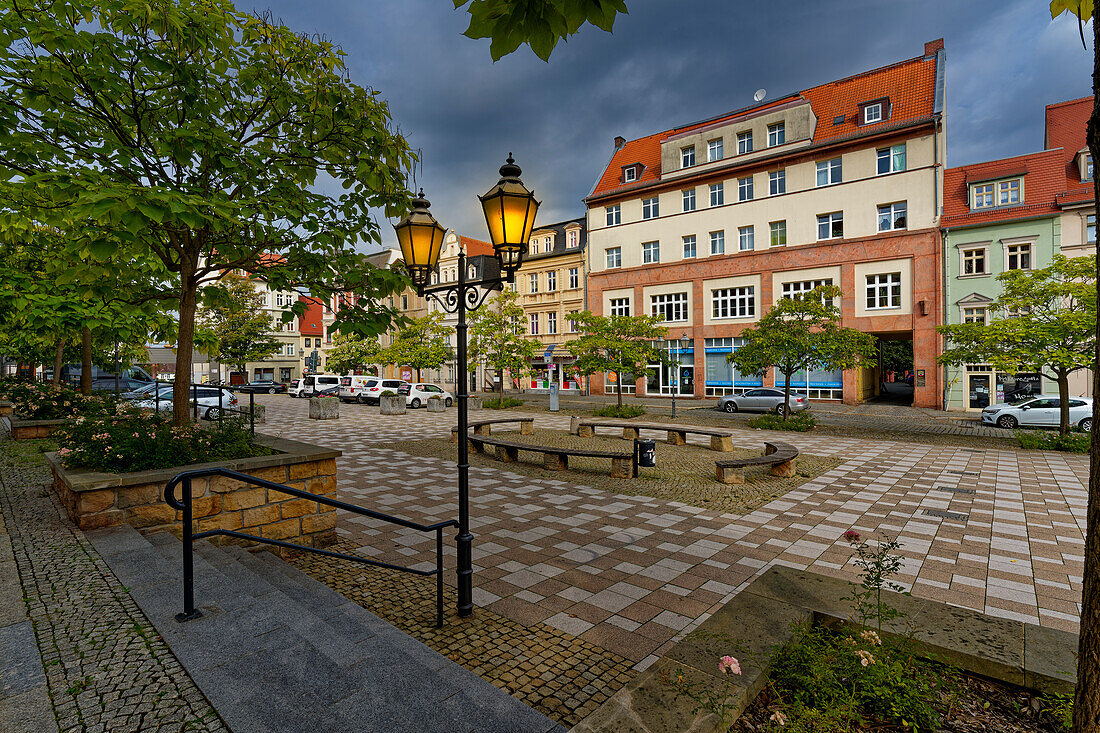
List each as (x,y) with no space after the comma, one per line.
(212,401)
(764,399)
(1041,411)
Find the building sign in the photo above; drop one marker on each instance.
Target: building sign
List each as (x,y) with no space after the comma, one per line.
(1014,387)
(918,378)
(406,374)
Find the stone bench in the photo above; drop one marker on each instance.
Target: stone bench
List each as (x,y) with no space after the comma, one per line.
(780,456)
(485,427)
(720,440)
(554,459)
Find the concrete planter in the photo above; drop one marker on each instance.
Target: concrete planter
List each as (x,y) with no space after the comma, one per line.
(324,408)
(436,404)
(96,500)
(473,403)
(30,429)
(392,405)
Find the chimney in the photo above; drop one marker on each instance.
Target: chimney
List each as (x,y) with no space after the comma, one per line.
(931,47)
(619,141)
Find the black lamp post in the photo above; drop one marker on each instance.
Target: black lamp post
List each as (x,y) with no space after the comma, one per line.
(681,347)
(510,216)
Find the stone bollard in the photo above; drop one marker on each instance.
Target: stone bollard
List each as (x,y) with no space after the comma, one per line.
(473,403)
(324,408)
(436,404)
(394,405)
(259,413)
(574,425)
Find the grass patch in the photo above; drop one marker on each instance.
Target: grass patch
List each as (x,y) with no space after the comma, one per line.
(626,411)
(1069,443)
(501,404)
(26,452)
(800,422)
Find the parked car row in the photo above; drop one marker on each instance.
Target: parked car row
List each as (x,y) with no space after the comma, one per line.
(212,401)
(1039,411)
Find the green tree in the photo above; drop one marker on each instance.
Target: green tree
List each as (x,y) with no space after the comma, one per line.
(237,317)
(351,352)
(197,136)
(496,338)
(538,23)
(802,333)
(420,344)
(621,345)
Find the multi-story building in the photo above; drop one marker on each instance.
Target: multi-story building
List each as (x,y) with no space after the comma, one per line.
(311,329)
(709,223)
(1065,131)
(551,284)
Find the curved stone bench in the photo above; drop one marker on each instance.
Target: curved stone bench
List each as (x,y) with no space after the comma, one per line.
(780,456)
(554,459)
(720,440)
(485,427)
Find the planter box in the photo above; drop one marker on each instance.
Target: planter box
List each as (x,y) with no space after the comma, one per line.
(473,403)
(436,404)
(96,500)
(324,408)
(5,408)
(392,405)
(30,429)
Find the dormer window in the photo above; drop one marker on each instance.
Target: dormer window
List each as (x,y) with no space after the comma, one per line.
(981,197)
(630,174)
(1009,192)
(875,111)
(1084,163)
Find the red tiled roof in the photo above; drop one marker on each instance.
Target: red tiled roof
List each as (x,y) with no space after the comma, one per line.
(1065,129)
(473,246)
(910,86)
(1043,182)
(312,321)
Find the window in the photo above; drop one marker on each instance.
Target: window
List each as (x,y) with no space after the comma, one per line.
(535,323)
(829,172)
(1018,256)
(404,302)
(614,257)
(620,306)
(551,323)
(535,248)
(290,349)
(830,226)
(687,156)
(777,182)
(718,242)
(1008,192)
(714,150)
(973,261)
(651,252)
(717,194)
(571,243)
(1086,167)
(778,233)
(777,134)
(672,306)
(884,291)
(1090,227)
(733,302)
(745,238)
(650,209)
(891,159)
(533,278)
(744,142)
(572,322)
(278,298)
(630,174)
(744,189)
(551,281)
(689,199)
(872,113)
(307,343)
(799,289)
(983,196)
(689,246)
(574,278)
(614,215)
(974,314)
(891,216)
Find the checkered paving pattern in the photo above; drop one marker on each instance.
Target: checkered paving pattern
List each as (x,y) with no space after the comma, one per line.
(993,530)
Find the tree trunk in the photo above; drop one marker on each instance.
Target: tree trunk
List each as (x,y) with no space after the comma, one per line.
(619,389)
(185,345)
(501,387)
(786,395)
(58,361)
(1063,402)
(1086,701)
(86,361)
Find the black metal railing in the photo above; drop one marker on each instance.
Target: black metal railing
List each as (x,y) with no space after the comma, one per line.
(189,535)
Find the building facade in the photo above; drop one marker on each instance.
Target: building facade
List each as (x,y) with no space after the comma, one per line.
(708,224)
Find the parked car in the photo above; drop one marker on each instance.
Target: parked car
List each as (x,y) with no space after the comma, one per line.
(418,394)
(375,386)
(146,390)
(124,384)
(260,385)
(333,391)
(1039,411)
(353,386)
(765,399)
(212,400)
(313,384)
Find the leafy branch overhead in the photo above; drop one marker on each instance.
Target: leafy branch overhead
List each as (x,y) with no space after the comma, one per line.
(538,23)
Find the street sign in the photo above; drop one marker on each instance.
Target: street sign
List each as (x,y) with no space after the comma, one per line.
(549,352)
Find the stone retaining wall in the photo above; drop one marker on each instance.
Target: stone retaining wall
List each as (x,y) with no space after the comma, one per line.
(96,500)
(30,429)
(5,408)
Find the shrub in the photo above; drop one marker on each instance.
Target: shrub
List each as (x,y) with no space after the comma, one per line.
(798,422)
(388,393)
(501,404)
(626,411)
(41,401)
(1076,442)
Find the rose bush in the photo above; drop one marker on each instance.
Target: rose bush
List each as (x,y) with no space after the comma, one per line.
(43,401)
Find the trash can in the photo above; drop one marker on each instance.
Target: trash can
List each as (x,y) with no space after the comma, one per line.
(645,454)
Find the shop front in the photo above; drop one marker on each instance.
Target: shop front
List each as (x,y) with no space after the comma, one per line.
(986,386)
(817,384)
(721,377)
(676,375)
(560,369)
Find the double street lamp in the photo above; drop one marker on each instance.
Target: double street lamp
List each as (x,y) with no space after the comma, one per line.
(509,210)
(679,347)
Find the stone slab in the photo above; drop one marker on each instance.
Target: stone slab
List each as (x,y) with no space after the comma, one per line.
(1050,660)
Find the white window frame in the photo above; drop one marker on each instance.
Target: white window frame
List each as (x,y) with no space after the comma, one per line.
(666,304)
(982,196)
(892,213)
(688,197)
(831,220)
(630,174)
(718,242)
(964,251)
(965,317)
(833,170)
(777,182)
(714,150)
(690,239)
(573,239)
(614,257)
(1006,188)
(746,238)
(892,155)
(572,322)
(877,108)
(730,303)
(744,189)
(618,307)
(533,283)
(614,214)
(651,252)
(717,194)
(551,281)
(777,134)
(798,288)
(1015,249)
(574,278)
(776,228)
(533,321)
(687,156)
(551,322)
(744,142)
(651,207)
(883,291)
(1090,218)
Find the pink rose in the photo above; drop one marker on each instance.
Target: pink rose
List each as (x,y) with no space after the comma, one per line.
(729,664)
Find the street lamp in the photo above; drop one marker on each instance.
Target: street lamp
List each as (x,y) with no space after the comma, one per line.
(510,216)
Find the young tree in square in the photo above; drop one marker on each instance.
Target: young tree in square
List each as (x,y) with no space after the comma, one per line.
(350,352)
(1043,321)
(237,317)
(497,340)
(202,137)
(802,333)
(420,344)
(619,345)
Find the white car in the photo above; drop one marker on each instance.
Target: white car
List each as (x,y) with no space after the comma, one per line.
(419,394)
(212,401)
(1040,411)
(375,386)
(314,383)
(353,388)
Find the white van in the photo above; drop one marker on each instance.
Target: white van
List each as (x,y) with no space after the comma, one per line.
(314,383)
(354,387)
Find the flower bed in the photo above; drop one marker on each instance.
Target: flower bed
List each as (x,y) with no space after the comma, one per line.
(41,401)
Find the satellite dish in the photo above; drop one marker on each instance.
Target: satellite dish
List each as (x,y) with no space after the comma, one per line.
(760,94)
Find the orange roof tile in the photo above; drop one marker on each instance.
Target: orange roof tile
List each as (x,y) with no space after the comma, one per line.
(1043,182)
(910,86)
(473,246)
(1065,129)
(312,321)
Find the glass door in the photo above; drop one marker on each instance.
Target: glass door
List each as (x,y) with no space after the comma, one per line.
(978,391)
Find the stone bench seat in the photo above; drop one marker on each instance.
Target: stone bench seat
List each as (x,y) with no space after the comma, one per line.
(780,456)
(554,458)
(485,427)
(720,440)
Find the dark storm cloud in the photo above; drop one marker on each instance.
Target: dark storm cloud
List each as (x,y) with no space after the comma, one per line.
(670,62)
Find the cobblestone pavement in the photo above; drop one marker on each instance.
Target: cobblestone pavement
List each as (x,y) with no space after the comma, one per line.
(1000,531)
(105,668)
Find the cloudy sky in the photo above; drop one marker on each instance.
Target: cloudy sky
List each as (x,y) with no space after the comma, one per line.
(670,62)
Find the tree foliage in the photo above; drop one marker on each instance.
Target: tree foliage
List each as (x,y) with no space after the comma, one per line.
(538,23)
(350,351)
(1044,321)
(237,317)
(802,333)
(420,344)
(497,340)
(621,345)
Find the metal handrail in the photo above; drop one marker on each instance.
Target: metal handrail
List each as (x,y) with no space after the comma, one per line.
(189,536)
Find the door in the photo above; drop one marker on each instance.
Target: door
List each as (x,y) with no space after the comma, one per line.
(751,399)
(978,391)
(1040,413)
(687,380)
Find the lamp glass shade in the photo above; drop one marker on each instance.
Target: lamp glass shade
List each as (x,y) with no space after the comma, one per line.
(421,239)
(510,211)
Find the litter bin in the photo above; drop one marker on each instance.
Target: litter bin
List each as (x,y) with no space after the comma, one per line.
(645,454)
